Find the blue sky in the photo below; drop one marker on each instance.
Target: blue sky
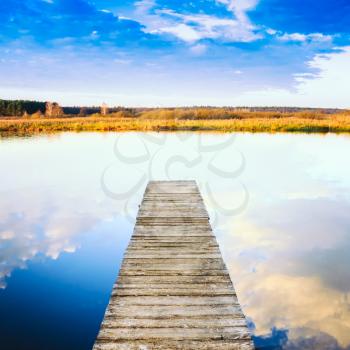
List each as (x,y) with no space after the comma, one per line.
(173,53)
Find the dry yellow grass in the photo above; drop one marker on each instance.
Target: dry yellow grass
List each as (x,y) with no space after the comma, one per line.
(256,123)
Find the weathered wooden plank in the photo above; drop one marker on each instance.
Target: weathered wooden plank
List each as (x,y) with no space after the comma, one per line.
(184,286)
(174,263)
(179,272)
(167,267)
(164,279)
(172,311)
(168,250)
(160,242)
(178,292)
(175,300)
(179,255)
(173,289)
(222,333)
(172,247)
(191,259)
(222,321)
(175,345)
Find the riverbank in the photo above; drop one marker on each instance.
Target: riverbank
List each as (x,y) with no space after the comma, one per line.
(22,126)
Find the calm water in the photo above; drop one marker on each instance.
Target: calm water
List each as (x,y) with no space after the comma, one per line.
(279,205)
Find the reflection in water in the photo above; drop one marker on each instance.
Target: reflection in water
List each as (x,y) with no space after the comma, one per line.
(279,205)
(293,285)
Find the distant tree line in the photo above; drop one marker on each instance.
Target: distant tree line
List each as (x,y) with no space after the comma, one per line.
(20,107)
(38,109)
(91,110)
(81,111)
(17,108)
(75,110)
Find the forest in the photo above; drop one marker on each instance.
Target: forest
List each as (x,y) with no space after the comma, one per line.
(17,108)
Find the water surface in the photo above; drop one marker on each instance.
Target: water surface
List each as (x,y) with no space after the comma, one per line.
(279,205)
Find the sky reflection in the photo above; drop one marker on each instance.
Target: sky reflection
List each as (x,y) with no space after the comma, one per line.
(288,252)
(279,206)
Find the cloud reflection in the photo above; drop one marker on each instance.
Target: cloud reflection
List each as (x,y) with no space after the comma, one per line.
(36,223)
(278,339)
(290,263)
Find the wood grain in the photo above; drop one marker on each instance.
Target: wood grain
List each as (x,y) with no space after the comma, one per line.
(173,289)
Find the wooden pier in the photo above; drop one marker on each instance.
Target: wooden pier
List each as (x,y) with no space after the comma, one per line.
(173,289)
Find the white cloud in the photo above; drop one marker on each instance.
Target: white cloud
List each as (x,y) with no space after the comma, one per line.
(327,87)
(182,31)
(201,26)
(271,31)
(194,27)
(239,7)
(293,37)
(319,37)
(144,6)
(298,37)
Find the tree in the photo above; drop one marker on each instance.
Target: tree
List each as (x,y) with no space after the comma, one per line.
(53,110)
(104,109)
(82,112)
(18,107)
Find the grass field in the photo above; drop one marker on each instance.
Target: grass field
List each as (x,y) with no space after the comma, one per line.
(250,122)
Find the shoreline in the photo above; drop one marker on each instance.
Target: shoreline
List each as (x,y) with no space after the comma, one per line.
(21,126)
